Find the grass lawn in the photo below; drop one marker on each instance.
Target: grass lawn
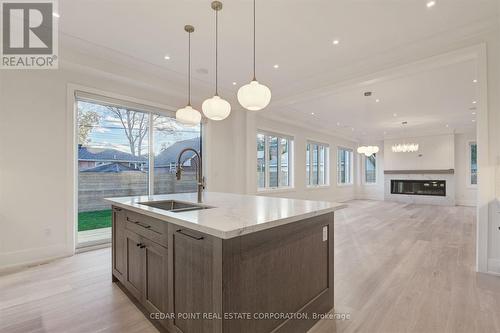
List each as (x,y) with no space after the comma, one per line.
(94,220)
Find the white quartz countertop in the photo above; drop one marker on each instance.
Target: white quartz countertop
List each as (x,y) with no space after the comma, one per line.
(232,215)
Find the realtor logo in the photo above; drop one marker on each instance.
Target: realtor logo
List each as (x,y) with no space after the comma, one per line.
(29,34)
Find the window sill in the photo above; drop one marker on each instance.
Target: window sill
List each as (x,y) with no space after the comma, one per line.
(370,184)
(317,187)
(275,190)
(345,185)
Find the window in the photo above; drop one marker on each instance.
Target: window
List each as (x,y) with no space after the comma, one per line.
(371,169)
(472,164)
(317,156)
(344,166)
(126,149)
(273,161)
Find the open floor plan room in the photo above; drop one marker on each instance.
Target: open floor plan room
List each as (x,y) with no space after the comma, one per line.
(420,277)
(250,166)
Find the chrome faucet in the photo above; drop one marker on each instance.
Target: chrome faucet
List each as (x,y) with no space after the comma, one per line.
(199,171)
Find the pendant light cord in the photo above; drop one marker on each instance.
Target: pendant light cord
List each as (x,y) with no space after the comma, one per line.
(216,51)
(254,41)
(189,69)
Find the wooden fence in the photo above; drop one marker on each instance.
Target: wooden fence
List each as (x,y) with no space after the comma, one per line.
(93,187)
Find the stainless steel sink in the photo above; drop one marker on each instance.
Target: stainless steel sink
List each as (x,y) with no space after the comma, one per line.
(175,206)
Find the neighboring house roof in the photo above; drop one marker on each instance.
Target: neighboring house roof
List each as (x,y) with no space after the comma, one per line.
(107,155)
(111,168)
(170,154)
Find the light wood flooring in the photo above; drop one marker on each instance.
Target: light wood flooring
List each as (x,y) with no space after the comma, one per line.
(398,268)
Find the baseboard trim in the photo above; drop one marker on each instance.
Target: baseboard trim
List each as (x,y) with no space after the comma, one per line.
(494,266)
(14,261)
(465,203)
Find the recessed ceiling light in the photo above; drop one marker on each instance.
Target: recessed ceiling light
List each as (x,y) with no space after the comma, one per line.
(377,100)
(276,66)
(474,113)
(394,114)
(447,125)
(473,120)
(474,102)
(312,113)
(167,57)
(234,83)
(431,4)
(474,81)
(56,14)
(336,42)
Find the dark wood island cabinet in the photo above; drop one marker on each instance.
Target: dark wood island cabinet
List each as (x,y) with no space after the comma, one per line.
(185,280)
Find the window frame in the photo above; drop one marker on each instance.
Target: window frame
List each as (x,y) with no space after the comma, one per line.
(309,175)
(364,157)
(351,167)
(279,137)
(468,166)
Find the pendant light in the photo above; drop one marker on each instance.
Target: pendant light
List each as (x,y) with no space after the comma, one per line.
(368,150)
(216,108)
(254,96)
(188,115)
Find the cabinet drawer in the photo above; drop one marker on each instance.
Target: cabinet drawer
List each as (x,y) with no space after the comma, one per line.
(147,227)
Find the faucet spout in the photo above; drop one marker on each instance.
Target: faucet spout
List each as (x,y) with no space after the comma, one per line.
(199,171)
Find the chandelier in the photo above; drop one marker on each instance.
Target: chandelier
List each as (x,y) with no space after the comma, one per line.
(368,150)
(405,148)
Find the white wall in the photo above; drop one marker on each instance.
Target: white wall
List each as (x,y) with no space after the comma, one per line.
(465,194)
(36,192)
(300,134)
(435,153)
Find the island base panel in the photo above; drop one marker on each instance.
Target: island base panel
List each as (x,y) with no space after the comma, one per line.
(283,270)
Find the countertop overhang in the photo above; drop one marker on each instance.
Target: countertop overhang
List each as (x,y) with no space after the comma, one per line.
(232,215)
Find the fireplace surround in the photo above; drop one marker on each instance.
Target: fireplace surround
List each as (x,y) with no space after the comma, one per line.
(411,185)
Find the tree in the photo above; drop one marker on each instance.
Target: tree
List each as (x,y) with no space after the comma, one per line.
(87,120)
(135,125)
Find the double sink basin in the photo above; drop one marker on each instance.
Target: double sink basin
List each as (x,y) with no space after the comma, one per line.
(175,206)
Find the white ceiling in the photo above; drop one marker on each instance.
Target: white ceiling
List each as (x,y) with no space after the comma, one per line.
(433,101)
(297,35)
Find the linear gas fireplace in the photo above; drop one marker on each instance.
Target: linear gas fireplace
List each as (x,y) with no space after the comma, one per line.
(418,187)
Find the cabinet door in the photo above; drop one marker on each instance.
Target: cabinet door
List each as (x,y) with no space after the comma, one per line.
(195,279)
(134,274)
(119,250)
(155,278)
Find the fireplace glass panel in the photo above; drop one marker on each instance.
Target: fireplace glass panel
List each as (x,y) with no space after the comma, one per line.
(418,187)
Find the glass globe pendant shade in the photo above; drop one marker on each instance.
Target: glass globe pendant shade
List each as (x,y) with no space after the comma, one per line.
(368,150)
(254,96)
(216,108)
(188,116)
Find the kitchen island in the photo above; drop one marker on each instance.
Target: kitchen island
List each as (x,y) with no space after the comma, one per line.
(233,263)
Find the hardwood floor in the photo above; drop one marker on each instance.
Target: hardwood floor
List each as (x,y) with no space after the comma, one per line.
(398,268)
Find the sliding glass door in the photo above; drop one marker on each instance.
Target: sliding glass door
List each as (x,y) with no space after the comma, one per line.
(126,150)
